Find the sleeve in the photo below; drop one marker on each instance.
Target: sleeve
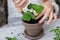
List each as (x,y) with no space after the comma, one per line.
(56,7)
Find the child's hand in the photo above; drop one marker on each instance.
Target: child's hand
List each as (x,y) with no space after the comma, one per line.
(47,12)
(20,3)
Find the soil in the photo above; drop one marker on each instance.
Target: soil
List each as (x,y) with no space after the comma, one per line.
(33,21)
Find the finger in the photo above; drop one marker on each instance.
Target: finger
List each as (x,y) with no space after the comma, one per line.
(25,3)
(50,18)
(55,18)
(22,3)
(16,2)
(41,14)
(45,16)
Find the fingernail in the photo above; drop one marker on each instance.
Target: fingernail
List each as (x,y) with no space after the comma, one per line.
(40,22)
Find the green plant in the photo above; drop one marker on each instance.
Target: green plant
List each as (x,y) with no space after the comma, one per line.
(37,8)
(27,16)
(56,33)
(9,38)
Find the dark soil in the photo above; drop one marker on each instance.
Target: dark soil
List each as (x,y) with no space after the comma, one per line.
(33,21)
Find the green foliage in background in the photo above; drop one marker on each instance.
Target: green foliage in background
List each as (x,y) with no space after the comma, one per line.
(56,33)
(9,38)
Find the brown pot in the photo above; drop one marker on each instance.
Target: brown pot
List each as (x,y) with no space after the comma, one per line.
(33,30)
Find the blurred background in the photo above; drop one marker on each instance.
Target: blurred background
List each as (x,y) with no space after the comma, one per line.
(58,2)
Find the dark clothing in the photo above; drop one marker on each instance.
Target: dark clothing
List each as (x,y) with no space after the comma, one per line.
(3,12)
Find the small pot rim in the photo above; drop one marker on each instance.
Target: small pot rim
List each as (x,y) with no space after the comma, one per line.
(29,23)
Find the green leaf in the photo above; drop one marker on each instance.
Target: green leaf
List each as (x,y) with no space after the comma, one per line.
(33,16)
(14,38)
(38,8)
(52,30)
(56,33)
(9,38)
(28,16)
(56,38)
(30,6)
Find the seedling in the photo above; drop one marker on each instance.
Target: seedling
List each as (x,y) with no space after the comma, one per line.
(56,33)
(28,15)
(9,38)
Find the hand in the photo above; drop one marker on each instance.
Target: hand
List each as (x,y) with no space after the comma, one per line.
(20,3)
(47,12)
